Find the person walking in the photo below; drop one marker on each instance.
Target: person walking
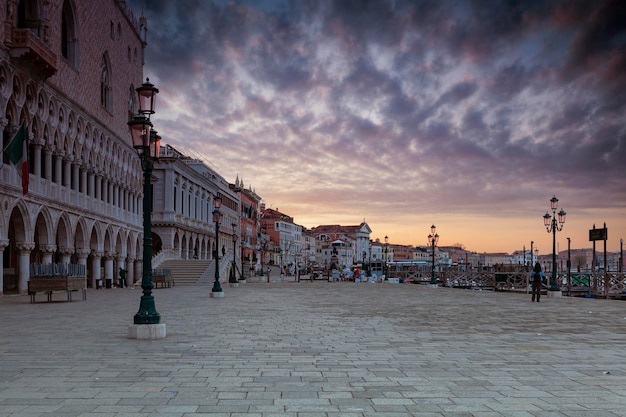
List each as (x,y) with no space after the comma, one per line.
(536,276)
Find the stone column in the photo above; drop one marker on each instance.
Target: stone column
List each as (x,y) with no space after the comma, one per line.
(66,254)
(67,174)
(82,254)
(95,268)
(48,164)
(108,266)
(23,254)
(138,268)
(58,165)
(83,181)
(3,244)
(76,177)
(130,268)
(46,253)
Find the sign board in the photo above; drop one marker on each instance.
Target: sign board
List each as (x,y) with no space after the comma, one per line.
(598,234)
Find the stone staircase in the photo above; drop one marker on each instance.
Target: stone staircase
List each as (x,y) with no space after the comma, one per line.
(187,271)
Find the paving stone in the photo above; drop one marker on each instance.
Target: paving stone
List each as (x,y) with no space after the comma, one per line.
(315,350)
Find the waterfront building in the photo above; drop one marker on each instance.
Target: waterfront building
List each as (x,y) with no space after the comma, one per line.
(184,190)
(357,238)
(68,73)
(285,236)
(250,243)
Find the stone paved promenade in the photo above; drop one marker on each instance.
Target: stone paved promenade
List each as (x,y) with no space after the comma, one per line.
(314,350)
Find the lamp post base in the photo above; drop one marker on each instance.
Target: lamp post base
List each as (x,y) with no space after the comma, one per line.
(146,331)
(432,285)
(555,294)
(217,294)
(234,284)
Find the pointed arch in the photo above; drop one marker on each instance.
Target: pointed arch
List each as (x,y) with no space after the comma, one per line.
(69,33)
(105,81)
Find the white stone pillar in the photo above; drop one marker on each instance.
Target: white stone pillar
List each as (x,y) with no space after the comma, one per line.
(82,254)
(108,266)
(66,255)
(46,253)
(3,244)
(96,258)
(23,260)
(130,271)
(138,268)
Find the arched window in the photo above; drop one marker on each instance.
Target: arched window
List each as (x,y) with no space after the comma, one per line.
(69,42)
(105,82)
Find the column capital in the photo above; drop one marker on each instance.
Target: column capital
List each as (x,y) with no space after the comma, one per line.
(25,246)
(82,253)
(66,250)
(4,243)
(97,254)
(48,248)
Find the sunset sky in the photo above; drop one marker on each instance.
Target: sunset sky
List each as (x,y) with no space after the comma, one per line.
(466,115)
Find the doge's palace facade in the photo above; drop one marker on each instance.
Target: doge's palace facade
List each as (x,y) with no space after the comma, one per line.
(68,73)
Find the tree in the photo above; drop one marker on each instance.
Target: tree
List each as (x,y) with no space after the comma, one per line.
(579,261)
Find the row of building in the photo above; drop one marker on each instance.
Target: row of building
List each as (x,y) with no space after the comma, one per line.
(68,74)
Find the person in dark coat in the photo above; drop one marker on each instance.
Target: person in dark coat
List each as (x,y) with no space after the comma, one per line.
(536,276)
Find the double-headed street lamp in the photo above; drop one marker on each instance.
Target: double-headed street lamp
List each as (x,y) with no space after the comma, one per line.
(147,143)
(550,221)
(217,217)
(433,238)
(233,279)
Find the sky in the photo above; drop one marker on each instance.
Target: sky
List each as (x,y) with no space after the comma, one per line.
(469,115)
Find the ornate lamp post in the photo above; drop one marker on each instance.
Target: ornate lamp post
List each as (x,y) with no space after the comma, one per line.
(217,291)
(550,221)
(433,238)
(147,143)
(233,279)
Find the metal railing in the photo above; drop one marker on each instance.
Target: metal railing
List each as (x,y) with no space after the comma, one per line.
(57,270)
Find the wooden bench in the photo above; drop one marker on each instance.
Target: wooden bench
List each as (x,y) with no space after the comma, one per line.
(165,280)
(50,284)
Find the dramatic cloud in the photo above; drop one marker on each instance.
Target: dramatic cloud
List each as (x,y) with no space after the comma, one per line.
(404,113)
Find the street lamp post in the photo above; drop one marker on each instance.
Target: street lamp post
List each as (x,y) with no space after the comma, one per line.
(147,143)
(385,260)
(433,238)
(552,226)
(621,255)
(217,291)
(233,280)
(569,267)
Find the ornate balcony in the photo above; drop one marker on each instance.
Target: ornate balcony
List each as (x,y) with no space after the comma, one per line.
(33,53)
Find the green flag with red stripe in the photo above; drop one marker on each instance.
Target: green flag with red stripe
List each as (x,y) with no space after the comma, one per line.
(17,152)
